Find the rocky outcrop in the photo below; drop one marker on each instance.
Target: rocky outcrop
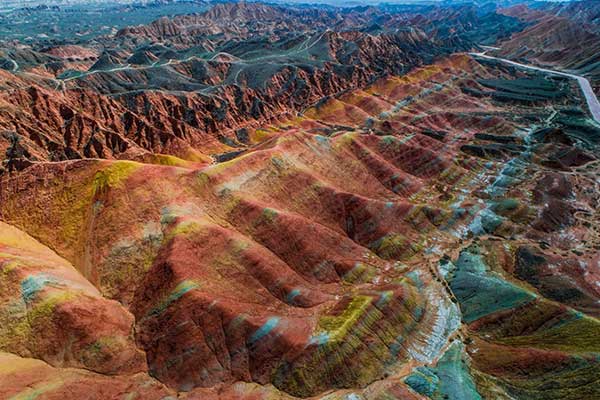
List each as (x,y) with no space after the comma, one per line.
(99,115)
(50,312)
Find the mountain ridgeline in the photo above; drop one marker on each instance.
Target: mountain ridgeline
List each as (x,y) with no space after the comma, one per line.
(246,201)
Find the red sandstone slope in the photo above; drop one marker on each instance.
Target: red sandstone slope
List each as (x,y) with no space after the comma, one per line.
(96,116)
(53,125)
(564,36)
(553,40)
(192,86)
(312,262)
(62,318)
(231,19)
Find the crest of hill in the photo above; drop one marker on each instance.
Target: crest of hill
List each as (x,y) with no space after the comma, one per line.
(243,11)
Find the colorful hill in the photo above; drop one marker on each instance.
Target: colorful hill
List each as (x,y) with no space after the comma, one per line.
(345,253)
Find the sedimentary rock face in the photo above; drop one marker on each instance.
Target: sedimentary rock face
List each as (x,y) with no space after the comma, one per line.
(260,202)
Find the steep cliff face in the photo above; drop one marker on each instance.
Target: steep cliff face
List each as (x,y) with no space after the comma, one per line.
(51,125)
(116,111)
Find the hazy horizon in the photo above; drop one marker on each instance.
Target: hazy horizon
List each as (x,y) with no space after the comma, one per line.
(24,3)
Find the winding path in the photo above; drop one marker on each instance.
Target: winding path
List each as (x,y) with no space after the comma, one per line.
(588,92)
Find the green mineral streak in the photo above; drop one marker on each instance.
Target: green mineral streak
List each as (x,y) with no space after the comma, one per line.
(269,215)
(513,209)
(239,246)
(480,291)
(350,349)
(449,379)
(360,273)
(341,343)
(183,228)
(578,382)
(203,180)
(578,336)
(33,393)
(113,176)
(394,246)
(102,344)
(491,387)
(455,379)
(97,352)
(338,326)
(14,327)
(9,266)
(45,308)
(22,330)
(176,294)
(169,160)
(453,175)
(423,381)
(127,263)
(505,205)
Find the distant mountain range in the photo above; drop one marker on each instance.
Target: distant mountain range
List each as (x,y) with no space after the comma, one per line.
(33,3)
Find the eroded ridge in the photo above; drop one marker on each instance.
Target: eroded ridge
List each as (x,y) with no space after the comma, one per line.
(432,235)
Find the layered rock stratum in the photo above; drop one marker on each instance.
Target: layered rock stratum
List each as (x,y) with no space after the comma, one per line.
(379,216)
